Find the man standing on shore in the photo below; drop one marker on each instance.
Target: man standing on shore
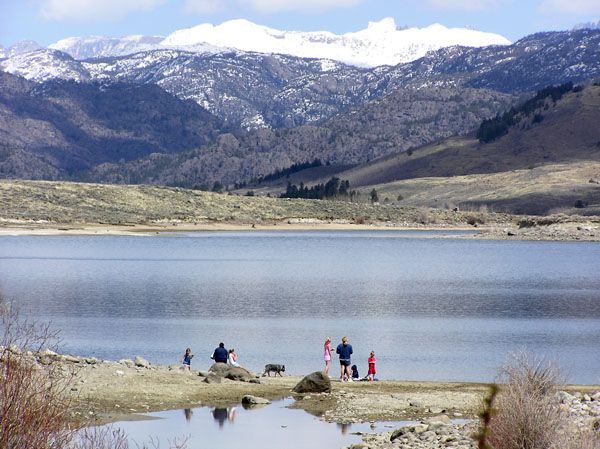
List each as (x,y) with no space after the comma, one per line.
(345,351)
(220,355)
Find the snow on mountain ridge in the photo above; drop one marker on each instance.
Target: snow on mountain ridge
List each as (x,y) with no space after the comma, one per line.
(43,65)
(381,43)
(101,46)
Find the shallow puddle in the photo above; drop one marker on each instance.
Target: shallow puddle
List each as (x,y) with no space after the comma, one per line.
(272,426)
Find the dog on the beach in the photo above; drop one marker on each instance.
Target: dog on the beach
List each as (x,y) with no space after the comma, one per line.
(273,368)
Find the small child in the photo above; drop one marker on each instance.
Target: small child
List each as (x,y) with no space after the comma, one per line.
(355,375)
(372,370)
(187,359)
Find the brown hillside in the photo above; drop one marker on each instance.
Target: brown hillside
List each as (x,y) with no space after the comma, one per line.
(569,131)
(538,167)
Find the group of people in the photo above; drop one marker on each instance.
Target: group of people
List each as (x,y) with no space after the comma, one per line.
(220,355)
(348,372)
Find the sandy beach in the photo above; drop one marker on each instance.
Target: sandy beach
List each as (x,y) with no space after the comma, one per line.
(571,231)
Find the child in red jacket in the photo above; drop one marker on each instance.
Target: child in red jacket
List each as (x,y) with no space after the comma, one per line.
(372,370)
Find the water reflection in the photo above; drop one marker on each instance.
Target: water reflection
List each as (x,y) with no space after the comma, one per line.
(222,414)
(274,425)
(344,428)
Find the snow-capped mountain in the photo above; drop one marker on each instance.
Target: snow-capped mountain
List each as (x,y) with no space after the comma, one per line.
(254,90)
(101,46)
(43,65)
(381,43)
(19,48)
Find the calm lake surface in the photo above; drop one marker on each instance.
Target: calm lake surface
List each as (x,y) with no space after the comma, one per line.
(431,308)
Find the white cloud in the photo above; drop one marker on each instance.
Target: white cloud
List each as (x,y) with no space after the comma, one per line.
(271,6)
(203,6)
(574,7)
(84,10)
(463,5)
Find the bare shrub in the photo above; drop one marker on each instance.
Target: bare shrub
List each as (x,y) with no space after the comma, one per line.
(425,216)
(35,409)
(101,438)
(34,406)
(109,437)
(474,220)
(526,411)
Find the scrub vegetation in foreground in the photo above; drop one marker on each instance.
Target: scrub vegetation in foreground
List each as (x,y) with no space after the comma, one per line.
(35,407)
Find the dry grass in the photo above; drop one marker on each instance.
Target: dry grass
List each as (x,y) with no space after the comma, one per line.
(62,202)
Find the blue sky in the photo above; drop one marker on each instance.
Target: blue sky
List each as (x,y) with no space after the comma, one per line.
(47,21)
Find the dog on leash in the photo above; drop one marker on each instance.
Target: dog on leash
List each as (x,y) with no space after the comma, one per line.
(273,368)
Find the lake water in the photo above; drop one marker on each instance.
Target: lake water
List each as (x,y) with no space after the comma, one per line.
(431,308)
(273,426)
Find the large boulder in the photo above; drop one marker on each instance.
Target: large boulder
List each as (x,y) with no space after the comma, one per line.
(232,372)
(316,382)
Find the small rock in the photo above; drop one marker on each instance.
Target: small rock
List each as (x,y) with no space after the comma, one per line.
(119,373)
(141,362)
(254,400)
(126,362)
(212,379)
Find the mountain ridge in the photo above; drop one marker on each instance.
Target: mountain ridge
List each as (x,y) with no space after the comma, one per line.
(381,43)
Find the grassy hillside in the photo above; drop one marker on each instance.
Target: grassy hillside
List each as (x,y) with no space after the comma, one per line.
(62,202)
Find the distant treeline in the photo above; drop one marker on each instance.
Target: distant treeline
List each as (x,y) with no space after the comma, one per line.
(334,188)
(294,168)
(492,129)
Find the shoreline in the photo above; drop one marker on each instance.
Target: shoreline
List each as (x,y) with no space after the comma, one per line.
(575,231)
(110,391)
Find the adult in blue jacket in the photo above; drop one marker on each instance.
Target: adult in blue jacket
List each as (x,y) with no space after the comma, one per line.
(344,350)
(220,355)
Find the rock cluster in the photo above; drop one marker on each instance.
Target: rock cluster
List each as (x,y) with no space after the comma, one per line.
(434,433)
(44,357)
(583,409)
(439,432)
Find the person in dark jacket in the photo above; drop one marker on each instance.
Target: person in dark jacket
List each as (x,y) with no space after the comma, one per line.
(344,350)
(220,355)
